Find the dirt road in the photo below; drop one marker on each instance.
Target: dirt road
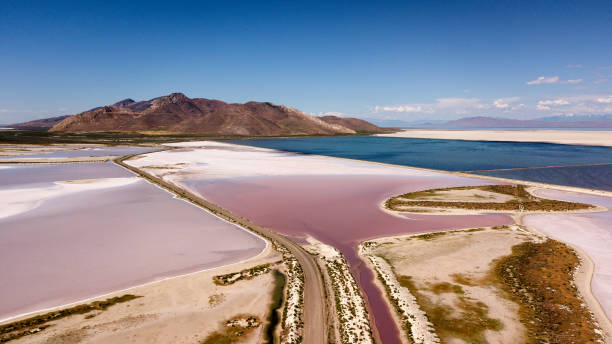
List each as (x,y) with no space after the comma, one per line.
(315,319)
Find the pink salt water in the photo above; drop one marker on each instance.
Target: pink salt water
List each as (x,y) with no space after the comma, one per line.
(341,211)
(94,242)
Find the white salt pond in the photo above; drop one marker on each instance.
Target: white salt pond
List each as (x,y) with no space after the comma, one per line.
(70,151)
(591,232)
(65,242)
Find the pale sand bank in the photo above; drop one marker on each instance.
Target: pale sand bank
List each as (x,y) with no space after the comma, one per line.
(459,253)
(568,137)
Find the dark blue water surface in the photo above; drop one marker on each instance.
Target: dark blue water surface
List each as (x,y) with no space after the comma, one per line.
(459,155)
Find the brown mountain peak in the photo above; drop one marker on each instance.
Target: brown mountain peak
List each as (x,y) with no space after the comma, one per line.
(124,103)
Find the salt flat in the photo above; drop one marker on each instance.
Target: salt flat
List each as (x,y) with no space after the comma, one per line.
(569,137)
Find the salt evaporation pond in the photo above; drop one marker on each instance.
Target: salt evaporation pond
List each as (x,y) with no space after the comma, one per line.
(341,211)
(93,242)
(334,200)
(83,151)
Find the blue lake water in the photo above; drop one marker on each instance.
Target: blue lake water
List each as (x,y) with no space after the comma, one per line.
(459,155)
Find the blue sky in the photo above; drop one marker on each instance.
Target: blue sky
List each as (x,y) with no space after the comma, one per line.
(398,60)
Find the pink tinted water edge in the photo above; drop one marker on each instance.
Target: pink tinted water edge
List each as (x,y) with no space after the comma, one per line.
(341,211)
(91,243)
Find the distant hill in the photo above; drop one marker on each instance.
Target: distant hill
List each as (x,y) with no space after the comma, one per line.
(39,124)
(176,113)
(493,122)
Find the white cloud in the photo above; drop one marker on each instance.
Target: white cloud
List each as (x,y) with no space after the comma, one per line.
(574,66)
(559,101)
(606,100)
(452,108)
(504,103)
(543,80)
(546,104)
(552,80)
(446,103)
(443,105)
(399,108)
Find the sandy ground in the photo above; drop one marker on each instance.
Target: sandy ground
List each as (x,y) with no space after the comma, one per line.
(475,196)
(568,137)
(179,310)
(467,253)
(469,195)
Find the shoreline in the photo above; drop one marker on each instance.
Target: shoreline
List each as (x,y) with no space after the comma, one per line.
(583,279)
(597,192)
(265,251)
(555,136)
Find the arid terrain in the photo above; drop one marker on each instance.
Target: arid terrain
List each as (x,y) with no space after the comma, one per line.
(352,264)
(487,280)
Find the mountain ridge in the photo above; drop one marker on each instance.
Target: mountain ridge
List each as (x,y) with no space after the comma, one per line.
(177,113)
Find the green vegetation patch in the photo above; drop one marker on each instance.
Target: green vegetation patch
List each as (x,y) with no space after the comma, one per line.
(123,138)
(274,317)
(35,324)
(233,330)
(539,278)
(445,287)
(522,200)
(245,274)
(467,320)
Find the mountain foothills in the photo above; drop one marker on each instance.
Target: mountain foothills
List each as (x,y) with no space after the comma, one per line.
(176,113)
(39,124)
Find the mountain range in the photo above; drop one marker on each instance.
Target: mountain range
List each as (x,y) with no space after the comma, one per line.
(177,113)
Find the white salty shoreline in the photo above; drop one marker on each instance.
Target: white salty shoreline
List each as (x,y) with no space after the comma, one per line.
(568,137)
(350,307)
(421,329)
